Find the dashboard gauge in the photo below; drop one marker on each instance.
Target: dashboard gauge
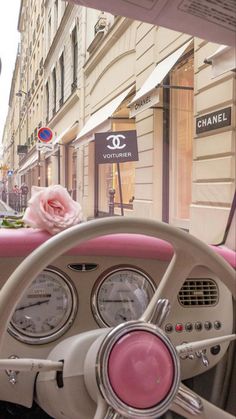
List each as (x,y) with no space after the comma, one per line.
(121,295)
(46,310)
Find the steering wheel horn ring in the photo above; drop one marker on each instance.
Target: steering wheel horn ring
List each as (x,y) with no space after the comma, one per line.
(137,370)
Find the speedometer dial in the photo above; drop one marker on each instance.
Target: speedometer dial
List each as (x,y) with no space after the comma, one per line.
(121,295)
(46,310)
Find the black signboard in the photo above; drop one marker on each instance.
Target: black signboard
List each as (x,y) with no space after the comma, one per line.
(116,147)
(213,120)
(22,149)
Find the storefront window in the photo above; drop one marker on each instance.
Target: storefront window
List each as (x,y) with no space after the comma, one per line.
(181,141)
(48,172)
(108,176)
(127,171)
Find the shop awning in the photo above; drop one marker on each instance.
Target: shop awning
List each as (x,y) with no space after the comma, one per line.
(223,60)
(68,134)
(102,115)
(29,163)
(148,95)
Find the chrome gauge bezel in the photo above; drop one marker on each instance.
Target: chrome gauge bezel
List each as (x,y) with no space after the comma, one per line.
(100,281)
(66,323)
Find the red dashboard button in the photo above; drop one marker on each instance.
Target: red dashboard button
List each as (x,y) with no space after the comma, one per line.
(179,327)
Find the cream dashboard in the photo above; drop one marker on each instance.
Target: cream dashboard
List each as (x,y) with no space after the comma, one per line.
(108,281)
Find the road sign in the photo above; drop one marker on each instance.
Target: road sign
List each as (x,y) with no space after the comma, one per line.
(45,134)
(10,172)
(44,147)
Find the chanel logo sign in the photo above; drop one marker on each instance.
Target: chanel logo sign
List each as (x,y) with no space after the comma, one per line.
(116,147)
(115,139)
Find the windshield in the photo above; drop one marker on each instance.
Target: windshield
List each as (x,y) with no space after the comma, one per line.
(133,119)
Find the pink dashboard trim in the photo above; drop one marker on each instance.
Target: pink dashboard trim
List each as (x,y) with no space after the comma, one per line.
(21,242)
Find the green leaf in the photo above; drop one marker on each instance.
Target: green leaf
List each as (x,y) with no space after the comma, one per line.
(8,222)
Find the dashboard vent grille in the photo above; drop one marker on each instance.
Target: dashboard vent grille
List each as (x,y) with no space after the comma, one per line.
(199,292)
(82,267)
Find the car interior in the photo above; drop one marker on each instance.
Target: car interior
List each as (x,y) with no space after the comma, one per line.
(102,283)
(117,317)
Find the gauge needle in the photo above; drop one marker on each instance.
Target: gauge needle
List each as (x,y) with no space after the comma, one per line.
(123,317)
(51,327)
(32,305)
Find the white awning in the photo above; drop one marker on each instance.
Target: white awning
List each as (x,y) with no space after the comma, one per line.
(102,115)
(68,134)
(223,60)
(29,163)
(148,95)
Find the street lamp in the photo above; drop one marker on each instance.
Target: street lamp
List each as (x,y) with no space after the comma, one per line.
(20,93)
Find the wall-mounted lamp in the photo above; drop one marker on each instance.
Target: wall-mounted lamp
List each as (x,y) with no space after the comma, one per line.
(20,93)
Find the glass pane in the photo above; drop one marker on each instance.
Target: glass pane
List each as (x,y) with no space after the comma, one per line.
(105,185)
(49,172)
(127,173)
(181,138)
(109,182)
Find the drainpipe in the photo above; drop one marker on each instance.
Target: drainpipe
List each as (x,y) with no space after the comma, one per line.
(83,58)
(80,152)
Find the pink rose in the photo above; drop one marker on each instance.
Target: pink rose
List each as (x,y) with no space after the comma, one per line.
(52,209)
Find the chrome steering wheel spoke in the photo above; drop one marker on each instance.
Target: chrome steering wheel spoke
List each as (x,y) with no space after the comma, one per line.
(188,401)
(188,404)
(160,312)
(112,414)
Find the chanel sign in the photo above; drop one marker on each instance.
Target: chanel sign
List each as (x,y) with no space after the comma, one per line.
(213,120)
(116,147)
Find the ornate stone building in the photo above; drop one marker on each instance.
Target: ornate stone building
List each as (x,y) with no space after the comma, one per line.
(81,72)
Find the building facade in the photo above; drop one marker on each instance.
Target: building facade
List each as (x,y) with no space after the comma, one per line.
(98,73)
(183,175)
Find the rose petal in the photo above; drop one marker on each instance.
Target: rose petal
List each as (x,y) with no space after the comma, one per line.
(52,209)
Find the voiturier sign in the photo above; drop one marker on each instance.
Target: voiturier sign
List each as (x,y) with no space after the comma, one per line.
(116,147)
(213,120)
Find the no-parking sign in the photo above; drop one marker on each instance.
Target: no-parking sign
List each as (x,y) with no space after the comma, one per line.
(45,134)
